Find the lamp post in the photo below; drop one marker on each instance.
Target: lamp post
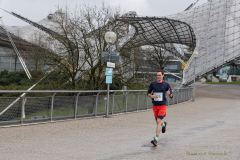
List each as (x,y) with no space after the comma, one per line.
(110,37)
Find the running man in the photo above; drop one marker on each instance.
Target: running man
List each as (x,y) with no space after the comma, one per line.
(157,92)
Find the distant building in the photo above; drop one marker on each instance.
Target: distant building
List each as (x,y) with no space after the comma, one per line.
(31,53)
(146,67)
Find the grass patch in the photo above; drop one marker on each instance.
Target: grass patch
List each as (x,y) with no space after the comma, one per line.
(67,111)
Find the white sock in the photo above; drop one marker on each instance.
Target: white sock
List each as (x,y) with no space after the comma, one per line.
(163,124)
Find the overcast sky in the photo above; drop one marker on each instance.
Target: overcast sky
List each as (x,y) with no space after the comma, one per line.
(38,9)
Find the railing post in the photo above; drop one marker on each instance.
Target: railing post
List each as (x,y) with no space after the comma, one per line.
(126,104)
(194,90)
(146,97)
(192,95)
(181,95)
(52,102)
(76,106)
(105,103)
(138,103)
(113,102)
(96,104)
(177,95)
(185,95)
(169,101)
(23,115)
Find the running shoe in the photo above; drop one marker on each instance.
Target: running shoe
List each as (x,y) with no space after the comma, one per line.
(164,127)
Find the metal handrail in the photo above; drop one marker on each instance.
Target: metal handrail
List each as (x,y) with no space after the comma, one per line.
(65,91)
(92,104)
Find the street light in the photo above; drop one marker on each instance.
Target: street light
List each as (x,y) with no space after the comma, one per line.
(110,37)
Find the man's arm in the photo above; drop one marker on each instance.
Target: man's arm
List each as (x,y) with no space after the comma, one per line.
(169,92)
(151,95)
(170,95)
(150,92)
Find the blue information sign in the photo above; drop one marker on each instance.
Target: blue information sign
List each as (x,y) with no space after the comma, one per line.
(109,72)
(108,79)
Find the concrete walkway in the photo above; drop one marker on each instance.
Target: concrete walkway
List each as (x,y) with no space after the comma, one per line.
(208,129)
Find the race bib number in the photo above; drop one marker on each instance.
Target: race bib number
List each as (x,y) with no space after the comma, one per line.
(159,96)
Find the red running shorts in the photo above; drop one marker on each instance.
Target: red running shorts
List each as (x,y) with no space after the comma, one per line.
(159,111)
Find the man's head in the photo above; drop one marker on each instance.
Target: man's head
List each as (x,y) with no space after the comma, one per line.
(160,75)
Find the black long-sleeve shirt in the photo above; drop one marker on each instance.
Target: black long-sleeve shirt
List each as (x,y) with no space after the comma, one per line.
(160,90)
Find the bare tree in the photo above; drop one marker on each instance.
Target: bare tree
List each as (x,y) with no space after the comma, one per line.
(38,52)
(82,43)
(158,56)
(129,66)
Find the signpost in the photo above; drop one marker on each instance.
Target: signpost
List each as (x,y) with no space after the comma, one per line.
(109,57)
(108,74)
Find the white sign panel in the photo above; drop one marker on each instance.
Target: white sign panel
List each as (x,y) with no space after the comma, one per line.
(110,64)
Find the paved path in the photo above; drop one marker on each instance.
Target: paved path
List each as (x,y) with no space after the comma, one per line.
(208,129)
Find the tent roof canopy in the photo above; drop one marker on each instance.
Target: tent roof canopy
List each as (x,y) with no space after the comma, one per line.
(159,32)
